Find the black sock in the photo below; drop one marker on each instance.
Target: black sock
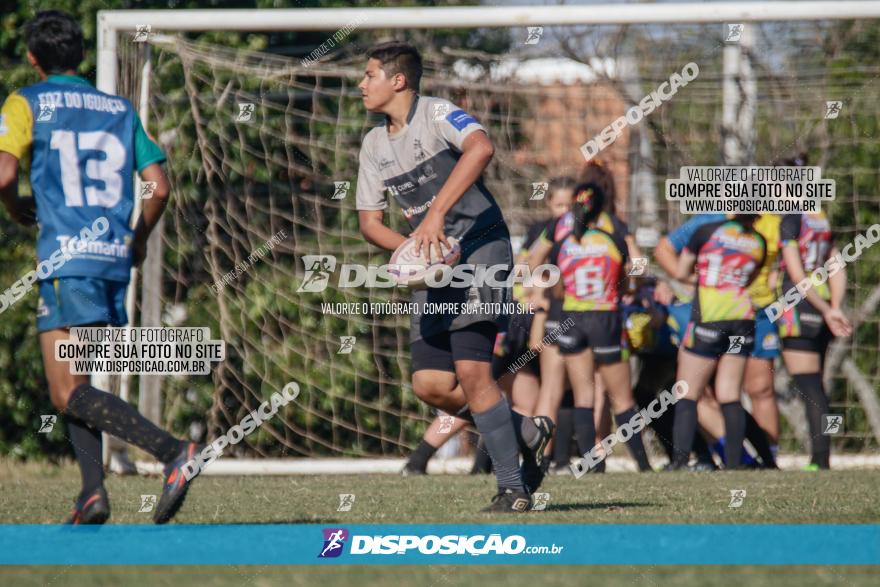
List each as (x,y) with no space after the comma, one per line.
(584,429)
(418,460)
(734,431)
(496,427)
(701,449)
(482,460)
(663,428)
(108,413)
(634,444)
(564,434)
(685,428)
(756,435)
(87,446)
(527,432)
(810,388)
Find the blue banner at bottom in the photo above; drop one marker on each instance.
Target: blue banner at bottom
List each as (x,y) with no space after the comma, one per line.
(442,544)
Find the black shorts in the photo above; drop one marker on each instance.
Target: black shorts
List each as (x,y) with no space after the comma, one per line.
(440,351)
(599,331)
(802,328)
(725,337)
(554,316)
(513,344)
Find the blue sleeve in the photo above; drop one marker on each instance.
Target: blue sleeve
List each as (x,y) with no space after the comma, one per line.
(680,237)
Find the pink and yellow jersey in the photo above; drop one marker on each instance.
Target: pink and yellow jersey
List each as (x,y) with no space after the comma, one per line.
(728,259)
(592,270)
(812,235)
(559,228)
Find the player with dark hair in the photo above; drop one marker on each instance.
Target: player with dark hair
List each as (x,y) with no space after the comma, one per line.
(521,386)
(429,155)
(593,264)
(84,147)
(556,231)
(525,384)
(720,334)
(808,327)
(762,426)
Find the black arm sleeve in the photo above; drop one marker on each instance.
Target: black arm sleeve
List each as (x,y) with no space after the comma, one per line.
(620,227)
(533,232)
(790,228)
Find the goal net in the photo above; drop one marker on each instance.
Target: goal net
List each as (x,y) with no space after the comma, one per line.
(263,159)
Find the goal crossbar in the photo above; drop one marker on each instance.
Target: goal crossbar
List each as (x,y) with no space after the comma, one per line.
(112,22)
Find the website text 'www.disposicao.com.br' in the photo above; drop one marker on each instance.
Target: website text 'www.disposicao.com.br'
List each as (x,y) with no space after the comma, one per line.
(338,541)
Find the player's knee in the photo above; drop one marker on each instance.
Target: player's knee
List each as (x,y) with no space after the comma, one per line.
(431,390)
(60,396)
(759,390)
(474,376)
(758,385)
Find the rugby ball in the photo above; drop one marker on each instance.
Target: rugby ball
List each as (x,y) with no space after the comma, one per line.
(413,271)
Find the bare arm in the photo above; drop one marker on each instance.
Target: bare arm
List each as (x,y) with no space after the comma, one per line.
(668,259)
(837,284)
(792,257)
(476,152)
(22,210)
(539,253)
(154,206)
(666,256)
(831,313)
(685,265)
(374,230)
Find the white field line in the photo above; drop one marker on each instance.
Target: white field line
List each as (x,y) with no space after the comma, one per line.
(454,466)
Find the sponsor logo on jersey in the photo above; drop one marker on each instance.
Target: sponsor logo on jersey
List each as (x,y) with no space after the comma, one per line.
(739,243)
(400,189)
(707,333)
(590,250)
(460,119)
(413,210)
(811,318)
(428,174)
(418,150)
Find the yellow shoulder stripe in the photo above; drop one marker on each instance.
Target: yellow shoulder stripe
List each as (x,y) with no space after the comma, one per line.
(16,126)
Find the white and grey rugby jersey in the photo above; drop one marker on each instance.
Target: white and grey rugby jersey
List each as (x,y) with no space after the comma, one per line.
(414,164)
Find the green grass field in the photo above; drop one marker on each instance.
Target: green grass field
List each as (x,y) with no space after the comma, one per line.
(39,494)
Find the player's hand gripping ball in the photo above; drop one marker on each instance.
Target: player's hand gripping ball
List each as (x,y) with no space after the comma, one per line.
(415,270)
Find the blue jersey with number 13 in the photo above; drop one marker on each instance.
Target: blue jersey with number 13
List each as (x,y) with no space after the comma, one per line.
(82,150)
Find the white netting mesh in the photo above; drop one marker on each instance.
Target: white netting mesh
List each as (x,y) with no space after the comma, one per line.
(238,183)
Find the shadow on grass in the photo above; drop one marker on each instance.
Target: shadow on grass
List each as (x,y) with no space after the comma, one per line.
(298,521)
(610,506)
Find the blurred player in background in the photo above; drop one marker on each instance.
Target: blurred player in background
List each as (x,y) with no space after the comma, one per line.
(756,383)
(594,264)
(807,328)
(430,155)
(727,255)
(555,231)
(652,336)
(84,147)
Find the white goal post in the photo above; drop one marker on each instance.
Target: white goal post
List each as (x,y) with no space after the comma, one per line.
(112,23)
